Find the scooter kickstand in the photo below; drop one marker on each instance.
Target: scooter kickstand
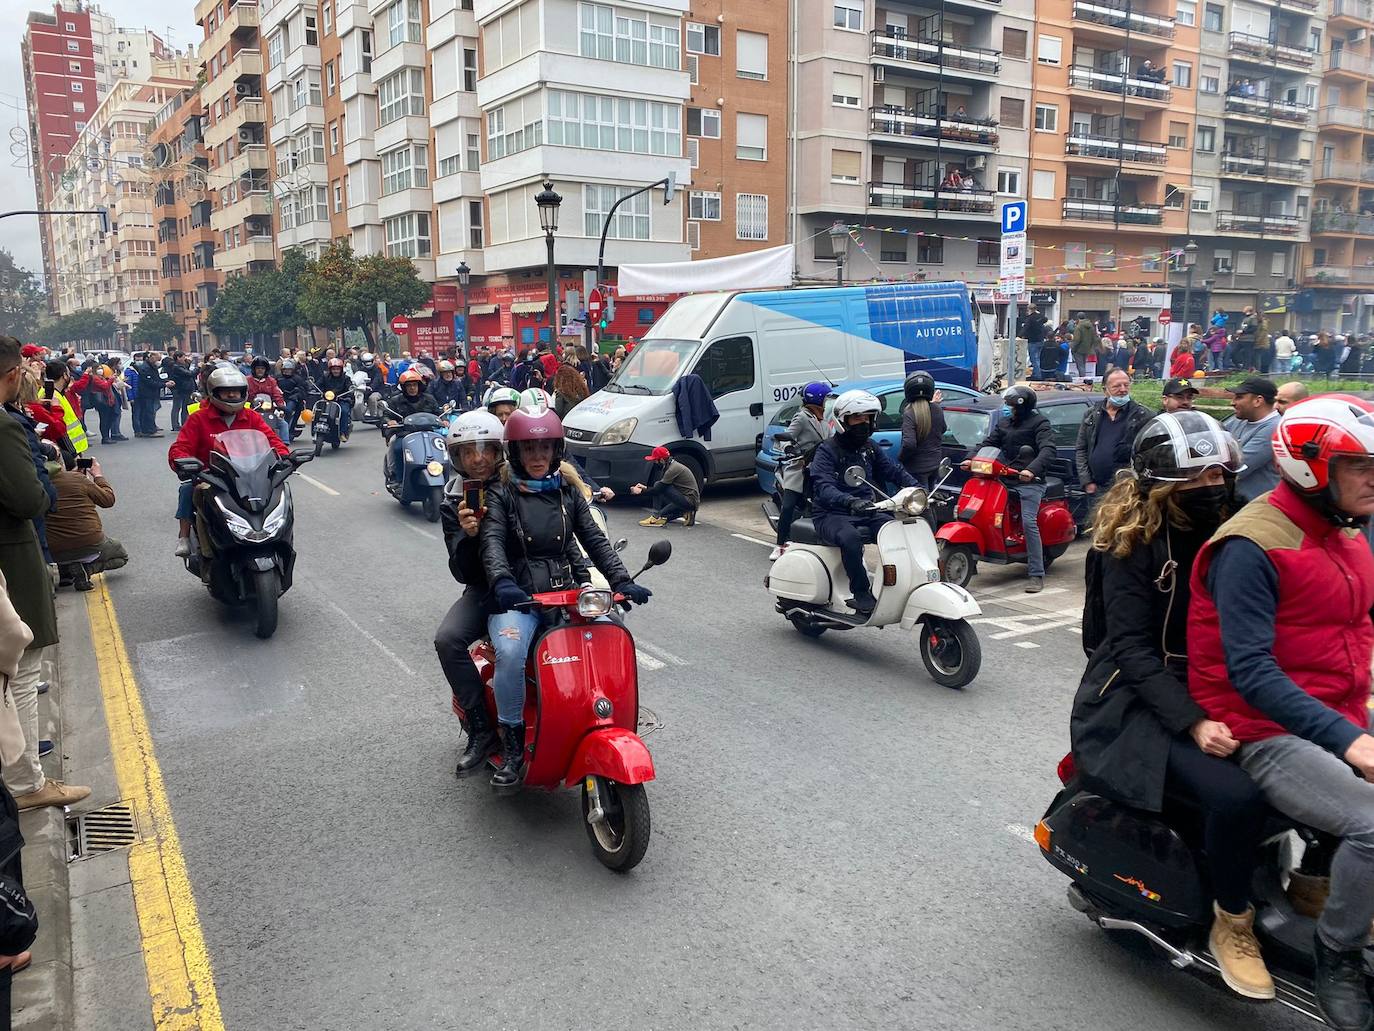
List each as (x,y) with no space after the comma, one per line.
(595,813)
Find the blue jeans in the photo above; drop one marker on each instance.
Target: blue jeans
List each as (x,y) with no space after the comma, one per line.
(184,491)
(512,633)
(1031,496)
(397,453)
(1034,346)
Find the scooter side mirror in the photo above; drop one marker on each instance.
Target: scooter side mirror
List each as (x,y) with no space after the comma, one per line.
(854,476)
(300,457)
(659,553)
(187,467)
(621,545)
(945,467)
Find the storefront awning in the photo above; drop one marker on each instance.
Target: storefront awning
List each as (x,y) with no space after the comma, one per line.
(529,307)
(482,309)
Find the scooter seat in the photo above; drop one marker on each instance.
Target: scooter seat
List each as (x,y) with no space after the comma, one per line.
(1054,488)
(804,532)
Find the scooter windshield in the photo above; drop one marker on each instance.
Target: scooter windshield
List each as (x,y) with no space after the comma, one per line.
(247,458)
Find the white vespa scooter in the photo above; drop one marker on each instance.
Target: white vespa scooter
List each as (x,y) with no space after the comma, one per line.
(810,585)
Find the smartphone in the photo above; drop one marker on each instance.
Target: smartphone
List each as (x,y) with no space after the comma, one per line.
(473,495)
(49,388)
(83,463)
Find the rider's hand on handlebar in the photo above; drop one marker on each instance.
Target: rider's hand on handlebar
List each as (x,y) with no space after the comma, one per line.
(1361,756)
(1214,738)
(604,494)
(509,594)
(635,593)
(860,505)
(1089,488)
(1026,475)
(967,463)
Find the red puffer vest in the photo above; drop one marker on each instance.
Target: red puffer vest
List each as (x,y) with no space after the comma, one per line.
(1323,638)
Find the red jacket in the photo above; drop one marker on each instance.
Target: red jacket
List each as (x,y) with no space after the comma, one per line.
(550,364)
(88,382)
(1182,366)
(52,419)
(201,427)
(267,386)
(1323,637)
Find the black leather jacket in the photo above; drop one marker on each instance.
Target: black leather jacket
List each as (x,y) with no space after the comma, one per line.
(342,387)
(532,539)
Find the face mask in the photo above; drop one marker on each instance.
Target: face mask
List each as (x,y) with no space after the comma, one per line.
(856,435)
(1202,505)
(1006,411)
(1118,402)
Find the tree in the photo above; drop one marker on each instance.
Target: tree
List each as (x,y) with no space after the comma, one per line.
(341,291)
(86,325)
(263,303)
(21,301)
(156,327)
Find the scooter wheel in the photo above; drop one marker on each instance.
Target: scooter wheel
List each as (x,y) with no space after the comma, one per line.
(433,500)
(957,564)
(319,446)
(950,650)
(806,629)
(620,839)
(266,589)
(1053,553)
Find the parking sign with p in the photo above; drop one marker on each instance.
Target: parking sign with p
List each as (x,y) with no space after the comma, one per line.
(1014,217)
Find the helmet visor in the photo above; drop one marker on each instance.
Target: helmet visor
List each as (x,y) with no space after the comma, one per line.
(1195,451)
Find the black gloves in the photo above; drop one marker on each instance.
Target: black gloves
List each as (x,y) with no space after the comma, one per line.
(635,593)
(860,505)
(509,594)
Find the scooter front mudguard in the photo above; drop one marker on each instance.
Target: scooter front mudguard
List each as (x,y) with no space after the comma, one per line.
(614,753)
(960,533)
(944,600)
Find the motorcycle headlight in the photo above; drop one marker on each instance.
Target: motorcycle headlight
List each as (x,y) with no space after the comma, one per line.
(594,602)
(617,432)
(435,468)
(276,517)
(916,503)
(239,526)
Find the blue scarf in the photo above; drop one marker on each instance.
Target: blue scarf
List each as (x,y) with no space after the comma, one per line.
(551,482)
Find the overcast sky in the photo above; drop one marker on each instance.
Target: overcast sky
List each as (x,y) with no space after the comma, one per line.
(19,235)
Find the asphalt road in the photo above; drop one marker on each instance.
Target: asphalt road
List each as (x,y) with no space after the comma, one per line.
(838,842)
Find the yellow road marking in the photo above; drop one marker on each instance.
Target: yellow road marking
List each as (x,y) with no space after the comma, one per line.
(180,980)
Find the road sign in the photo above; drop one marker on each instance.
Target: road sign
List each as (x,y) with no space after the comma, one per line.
(1165,316)
(1014,217)
(594,303)
(1012,278)
(400,325)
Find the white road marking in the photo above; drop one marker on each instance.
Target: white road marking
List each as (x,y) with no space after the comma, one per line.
(422,533)
(648,663)
(1016,830)
(754,540)
(378,644)
(1026,644)
(1030,622)
(663,653)
(316,483)
(1015,592)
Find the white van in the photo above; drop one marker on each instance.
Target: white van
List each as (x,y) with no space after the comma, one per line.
(753,352)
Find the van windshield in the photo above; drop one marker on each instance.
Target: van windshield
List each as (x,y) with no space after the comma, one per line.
(653,366)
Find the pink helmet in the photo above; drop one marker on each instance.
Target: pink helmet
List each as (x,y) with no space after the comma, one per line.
(527,424)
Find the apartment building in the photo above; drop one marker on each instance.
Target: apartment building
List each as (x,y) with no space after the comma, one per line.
(1337,277)
(178,170)
(451,42)
(910,126)
(107,167)
(236,136)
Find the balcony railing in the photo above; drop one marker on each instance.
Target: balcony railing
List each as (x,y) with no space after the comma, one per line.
(1360,10)
(1267,108)
(1343,222)
(1349,117)
(1300,5)
(1090,145)
(1258,223)
(954,129)
(1084,77)
(1118,16)
(1264,50)
(1362,171)
(1085,209)
(1345,61)
(1358,274)
(937,53)
(1264,168)
(929,198)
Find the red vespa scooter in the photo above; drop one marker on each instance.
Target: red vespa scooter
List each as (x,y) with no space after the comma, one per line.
(987,521)
(582,714)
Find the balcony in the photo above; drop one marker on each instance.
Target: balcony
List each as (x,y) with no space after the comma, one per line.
(248,111)
(1118,16)
(935,55)
(1234,165)
(1085,209)
(1105,148)
(1257,224)
(171,265)
(1339,275)
(200,214)
(1354,65)
(251,157)
(242,20)
(1334,116)
(1300,6)
(1246,46)
(1266,109)
(247,64)
(977,204)
(958,131)
(1354,10)
(1332,222)
(249,205)
(1351,171)
(1117,84)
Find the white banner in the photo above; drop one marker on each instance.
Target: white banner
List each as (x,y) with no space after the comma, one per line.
(750,271)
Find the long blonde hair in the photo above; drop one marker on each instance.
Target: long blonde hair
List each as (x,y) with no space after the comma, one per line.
(1126,517)
(920,409)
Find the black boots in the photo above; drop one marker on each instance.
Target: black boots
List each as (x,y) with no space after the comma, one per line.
(512,770)
(481,740)
(1339,984)
(862,603)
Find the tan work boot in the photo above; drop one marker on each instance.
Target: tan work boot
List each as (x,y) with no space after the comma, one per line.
(53,792)
(1237,952)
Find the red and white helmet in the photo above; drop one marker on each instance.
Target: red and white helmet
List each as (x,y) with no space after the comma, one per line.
(1313,432)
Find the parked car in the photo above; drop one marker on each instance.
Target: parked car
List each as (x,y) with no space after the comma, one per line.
(889,431)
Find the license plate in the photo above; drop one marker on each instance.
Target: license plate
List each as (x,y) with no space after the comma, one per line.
(572,434)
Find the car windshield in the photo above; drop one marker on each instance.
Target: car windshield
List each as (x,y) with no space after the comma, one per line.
(653,366)
(965,428)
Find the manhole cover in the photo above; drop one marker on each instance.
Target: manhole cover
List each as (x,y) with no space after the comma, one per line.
(103,830)
(648,722)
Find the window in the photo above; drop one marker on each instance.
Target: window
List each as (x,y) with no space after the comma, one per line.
(694,236)
(704,122)
(1014,43)
(338,193)
(1151,260)
(1065,420)
(614,123)
(1047,117)
(328,12)
(727,366)
(403,22)
(751,137)
(330,80)
(1178,135)
(472,152)
(630,37)
(664,46)
(519,135)
(846,90)
(844,166)
(1104,256)
(1206,139)
(1042,184)
(401,94)
(334,137)
(849,15)
(751,55)
(407,236)
(1211,17)
(1174,197)
(703,206)
(1278,266)
(1221,261)
(1009,181)
(751,216)
(78,107)
(1075,255)
(703,39)
(448,166)
(403,168)
(73,46)
(930,250)
(631,218)
(469,70)
(693,152)
(475,223)
(893,248)
(1183,74)
(597,31)
(1245,263)
(74,66)
(1202,198)
(77,87)
(1185,12)
(71,26)
(312,34)
(276,49)
(1049,49)
(989,252)
(1013,112)
(1209,79)
(366,43)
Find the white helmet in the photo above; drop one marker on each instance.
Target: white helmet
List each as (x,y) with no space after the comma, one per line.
(367,358)
(855,402)
(535,399)
(226,379)
(478,427)
(445,367)
(502,396)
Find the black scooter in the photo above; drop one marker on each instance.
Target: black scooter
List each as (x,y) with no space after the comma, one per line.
(1141,872)
(326,424)
(241,537)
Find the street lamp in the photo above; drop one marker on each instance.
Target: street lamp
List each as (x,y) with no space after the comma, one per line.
(464,277)
(1190,250)
(548,202)
(839,244)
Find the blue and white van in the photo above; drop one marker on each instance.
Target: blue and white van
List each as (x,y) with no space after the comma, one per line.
(755,351)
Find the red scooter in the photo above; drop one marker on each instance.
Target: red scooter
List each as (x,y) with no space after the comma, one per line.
(582,714)
(987,521)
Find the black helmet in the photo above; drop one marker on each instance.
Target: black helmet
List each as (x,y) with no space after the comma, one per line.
(1020,399)
(919,386)
(1178,446)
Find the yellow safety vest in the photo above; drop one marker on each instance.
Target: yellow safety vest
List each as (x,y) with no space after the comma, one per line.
(75,433)
(192,408)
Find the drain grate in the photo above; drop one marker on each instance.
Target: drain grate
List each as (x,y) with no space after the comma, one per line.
(103,830)
(648,722)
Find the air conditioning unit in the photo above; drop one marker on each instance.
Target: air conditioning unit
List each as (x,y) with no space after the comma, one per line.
(976,163)
(1359,35)
(244,89)
(245,136)
(878,72)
